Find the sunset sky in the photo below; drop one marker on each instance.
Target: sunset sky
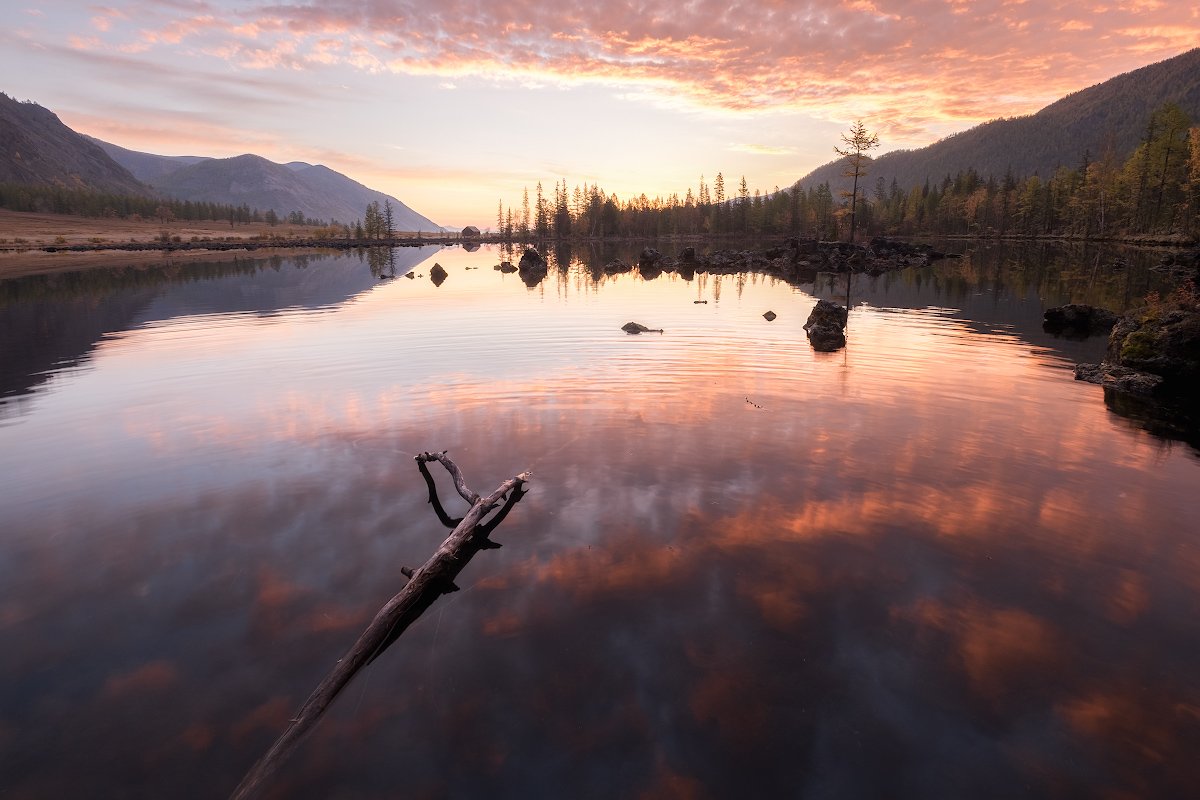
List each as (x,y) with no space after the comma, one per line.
(455,104)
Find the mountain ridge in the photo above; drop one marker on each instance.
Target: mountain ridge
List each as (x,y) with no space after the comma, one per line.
(314,190)
(36,148)
(1111,115)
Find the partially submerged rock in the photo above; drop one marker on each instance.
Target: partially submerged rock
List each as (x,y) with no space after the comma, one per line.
(649,257)
(1076,319)
(532,267)
(1161,342)
(1122,379)
(531,260)
(1152,351)
(505,266)
(826,326)
(438,274)
(769,316)
(637,327)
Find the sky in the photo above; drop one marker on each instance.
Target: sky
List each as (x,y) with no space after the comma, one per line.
(455,105)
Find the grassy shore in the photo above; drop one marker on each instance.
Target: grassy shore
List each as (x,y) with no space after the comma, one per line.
(34,244)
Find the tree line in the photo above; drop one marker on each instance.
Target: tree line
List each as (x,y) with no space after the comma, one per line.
(1155,190)
(96,204)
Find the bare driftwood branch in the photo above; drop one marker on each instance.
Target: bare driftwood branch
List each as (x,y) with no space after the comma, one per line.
(434,500)
(460,483)
(425,585)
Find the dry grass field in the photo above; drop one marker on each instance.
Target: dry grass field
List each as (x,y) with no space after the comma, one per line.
(22,234)
(19,230)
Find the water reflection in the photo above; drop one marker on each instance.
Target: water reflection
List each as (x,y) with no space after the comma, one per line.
(930,564)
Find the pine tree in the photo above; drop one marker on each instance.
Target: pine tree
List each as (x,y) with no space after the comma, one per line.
(858,142)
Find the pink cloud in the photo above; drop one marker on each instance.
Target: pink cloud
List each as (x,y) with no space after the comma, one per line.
(904,65)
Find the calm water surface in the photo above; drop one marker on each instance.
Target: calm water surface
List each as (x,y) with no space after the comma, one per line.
(930,565)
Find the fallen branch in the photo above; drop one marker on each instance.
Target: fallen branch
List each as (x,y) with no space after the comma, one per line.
(425,585)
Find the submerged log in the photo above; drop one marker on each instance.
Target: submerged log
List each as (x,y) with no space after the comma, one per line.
(425,585)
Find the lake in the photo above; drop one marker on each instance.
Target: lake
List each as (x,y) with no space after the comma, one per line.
(929,565)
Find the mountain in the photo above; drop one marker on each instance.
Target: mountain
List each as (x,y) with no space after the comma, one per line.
(146,167)
(37,148)
(316,191)
(1110,115)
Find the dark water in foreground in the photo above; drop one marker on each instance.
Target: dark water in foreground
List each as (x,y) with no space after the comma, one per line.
(931,565)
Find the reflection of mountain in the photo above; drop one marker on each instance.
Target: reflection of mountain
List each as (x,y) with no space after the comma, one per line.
(44,336)
(56,321)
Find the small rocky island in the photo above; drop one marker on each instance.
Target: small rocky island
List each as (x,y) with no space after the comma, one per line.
(1153,351)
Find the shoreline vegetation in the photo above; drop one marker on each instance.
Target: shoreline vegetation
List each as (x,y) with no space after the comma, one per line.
(39,243)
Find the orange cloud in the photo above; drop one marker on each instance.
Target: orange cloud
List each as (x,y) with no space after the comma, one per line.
(836,59)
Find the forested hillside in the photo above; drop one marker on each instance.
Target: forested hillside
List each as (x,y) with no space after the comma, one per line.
(1106,120)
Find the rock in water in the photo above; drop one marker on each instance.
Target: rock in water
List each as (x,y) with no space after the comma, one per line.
(438,275)
(531,260)
(649,257)
(1152,351)
(532,267)
(1078,320)
(636,327)
(826,326)
(1123,379)
(769,316)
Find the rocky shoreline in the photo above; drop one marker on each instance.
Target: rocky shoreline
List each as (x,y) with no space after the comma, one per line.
(792,259)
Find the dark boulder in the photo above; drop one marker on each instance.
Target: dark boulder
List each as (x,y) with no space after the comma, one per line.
(532,267)
(770,316)
(1164,342)
(637,327)
(688,255)
(617,265)
(1078,320)
(1153,351)
(1122,379)
(649,257)
(438,275)
(826,312)
(531,260)
(505,266)
(826,326)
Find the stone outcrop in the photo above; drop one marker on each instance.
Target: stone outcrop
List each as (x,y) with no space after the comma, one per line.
(1078,320)
(649,257)
(1152,351)
(637,327)
(532,267)
(826,326)
(438,275)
